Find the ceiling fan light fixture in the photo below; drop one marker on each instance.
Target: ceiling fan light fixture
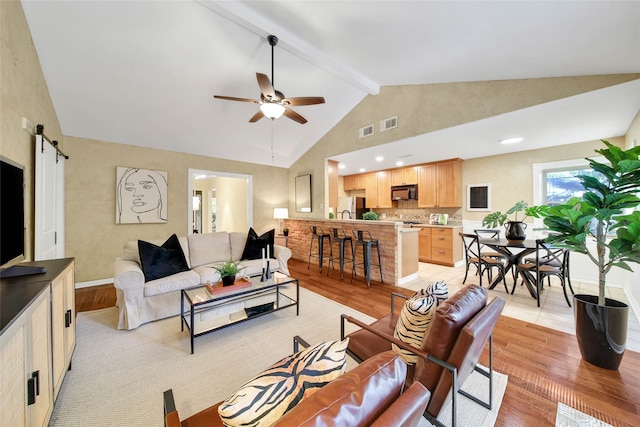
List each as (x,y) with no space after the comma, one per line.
(272,110)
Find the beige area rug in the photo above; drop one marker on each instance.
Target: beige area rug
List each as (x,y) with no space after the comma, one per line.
(118,377)
(569,417)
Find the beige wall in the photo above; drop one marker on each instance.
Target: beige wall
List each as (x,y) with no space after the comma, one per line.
(23,93)
(91,233)
(231,202)
(511,175)
(427,108)
(632,138)
(93,237)
(231,194)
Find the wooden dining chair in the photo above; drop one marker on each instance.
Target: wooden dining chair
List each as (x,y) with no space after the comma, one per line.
(549,261)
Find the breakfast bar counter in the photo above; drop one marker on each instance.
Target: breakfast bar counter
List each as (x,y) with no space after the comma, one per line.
(398,246)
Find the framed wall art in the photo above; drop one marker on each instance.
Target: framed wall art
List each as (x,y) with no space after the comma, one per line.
(141,196)
(479,197)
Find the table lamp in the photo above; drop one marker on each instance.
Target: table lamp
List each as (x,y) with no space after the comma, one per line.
(280,214)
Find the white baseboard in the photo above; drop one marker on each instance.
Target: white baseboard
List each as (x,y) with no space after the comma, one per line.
(90,283)
(408,278)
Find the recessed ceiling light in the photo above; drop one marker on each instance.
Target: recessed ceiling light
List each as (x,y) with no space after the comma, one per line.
(399,163)
(341,166)
(511,140)
(362,169)
(379,159)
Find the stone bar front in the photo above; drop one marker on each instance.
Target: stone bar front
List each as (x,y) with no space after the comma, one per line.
(388,233)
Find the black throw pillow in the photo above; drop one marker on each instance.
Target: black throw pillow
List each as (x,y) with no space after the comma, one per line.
(162,261)
(255,244)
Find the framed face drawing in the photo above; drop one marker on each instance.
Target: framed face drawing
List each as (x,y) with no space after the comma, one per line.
(141,196)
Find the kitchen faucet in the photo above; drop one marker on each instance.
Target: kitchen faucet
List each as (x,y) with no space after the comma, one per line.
(342,213)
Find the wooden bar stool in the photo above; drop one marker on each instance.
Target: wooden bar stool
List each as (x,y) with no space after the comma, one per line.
(319,236)
(364,240)
(338,235)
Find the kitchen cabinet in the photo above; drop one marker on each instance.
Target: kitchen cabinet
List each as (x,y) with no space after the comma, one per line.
(378,189)
(446,246)
(439,185)
(424,244)
(354,182)
(404,176)
(439,245)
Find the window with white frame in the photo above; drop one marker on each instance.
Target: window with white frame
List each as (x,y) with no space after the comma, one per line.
(556,182)
(559,185)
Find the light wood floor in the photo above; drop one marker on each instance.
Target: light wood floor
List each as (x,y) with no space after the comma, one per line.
(544,365)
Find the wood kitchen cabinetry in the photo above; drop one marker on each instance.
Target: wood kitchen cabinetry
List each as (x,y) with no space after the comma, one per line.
(354,182)
(424,244)
(439,185)
(438,245)
(404,176)
(378,189)
(36,342)
(445,249)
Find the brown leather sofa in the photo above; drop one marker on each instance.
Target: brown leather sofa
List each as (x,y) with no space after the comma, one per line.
(368,395)
(459,331)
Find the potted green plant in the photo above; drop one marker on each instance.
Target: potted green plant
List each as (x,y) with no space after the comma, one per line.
(605,207)
(228,271)
(514,229)
(285,231)
(370,216)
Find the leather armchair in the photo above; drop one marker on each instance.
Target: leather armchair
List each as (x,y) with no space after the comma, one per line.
(459,331)
(368,395)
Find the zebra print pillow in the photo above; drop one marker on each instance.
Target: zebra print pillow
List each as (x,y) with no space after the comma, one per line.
(416,316)
(268,396)
(438,290)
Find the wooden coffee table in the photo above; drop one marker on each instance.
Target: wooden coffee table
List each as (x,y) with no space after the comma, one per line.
(200,300)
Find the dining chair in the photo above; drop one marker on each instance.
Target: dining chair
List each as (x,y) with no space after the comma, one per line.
(489,234)
(488,263)
(470,256)
(549,261)
(556,263)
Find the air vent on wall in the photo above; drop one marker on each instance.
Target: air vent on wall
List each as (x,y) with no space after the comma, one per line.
(365,131)
(390,123)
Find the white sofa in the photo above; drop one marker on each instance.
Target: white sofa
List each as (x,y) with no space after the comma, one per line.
(139,302)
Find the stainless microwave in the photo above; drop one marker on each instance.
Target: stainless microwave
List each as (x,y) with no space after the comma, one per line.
(404,192)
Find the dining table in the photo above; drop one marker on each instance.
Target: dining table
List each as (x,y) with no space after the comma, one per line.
(514,251)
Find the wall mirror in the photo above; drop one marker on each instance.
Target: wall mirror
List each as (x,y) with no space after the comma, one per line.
(479,197)
(303,193)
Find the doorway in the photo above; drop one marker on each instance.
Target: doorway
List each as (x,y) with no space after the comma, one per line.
(226,201)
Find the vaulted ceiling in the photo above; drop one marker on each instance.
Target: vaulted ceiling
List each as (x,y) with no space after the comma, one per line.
(145,72)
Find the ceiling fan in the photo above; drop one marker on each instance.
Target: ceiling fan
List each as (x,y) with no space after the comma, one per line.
(273,103)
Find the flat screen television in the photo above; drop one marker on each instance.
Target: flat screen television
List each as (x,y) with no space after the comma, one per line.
(12,233)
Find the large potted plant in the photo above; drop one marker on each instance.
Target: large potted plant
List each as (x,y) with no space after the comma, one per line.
(514,229)
(606,207)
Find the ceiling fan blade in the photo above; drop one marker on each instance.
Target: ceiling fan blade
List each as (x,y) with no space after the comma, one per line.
(257,116)
(233,98)
(266,87)
(305,100)
(295,116)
